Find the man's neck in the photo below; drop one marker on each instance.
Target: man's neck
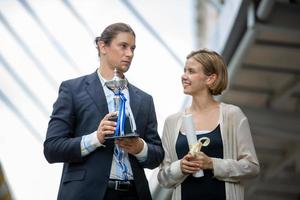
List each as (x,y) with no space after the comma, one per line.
(108,73)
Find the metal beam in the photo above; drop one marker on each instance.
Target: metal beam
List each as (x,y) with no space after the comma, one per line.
(20,116)
(152,31)
(64,54)
(244,45)
(81,20)
(40,66)
(24,86)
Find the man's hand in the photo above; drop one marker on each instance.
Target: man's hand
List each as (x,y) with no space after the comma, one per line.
(131,145)
(106,127)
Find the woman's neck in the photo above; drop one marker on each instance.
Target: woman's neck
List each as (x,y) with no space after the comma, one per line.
(203,103)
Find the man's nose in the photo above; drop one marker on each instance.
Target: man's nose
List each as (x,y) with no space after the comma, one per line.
(129,52)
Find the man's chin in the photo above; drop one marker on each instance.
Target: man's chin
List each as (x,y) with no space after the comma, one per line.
(123,69)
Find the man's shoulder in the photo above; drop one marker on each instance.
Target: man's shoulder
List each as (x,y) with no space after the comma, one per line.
(79,80)
(138,90)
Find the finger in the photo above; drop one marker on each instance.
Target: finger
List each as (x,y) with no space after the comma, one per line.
(113,114)
(124,144)
(190,169)
(192,164)
(188,157)
(187,169)
(108,127)
(107,132)
(108,123)
(109,115)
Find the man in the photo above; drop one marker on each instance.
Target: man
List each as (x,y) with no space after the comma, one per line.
(95,167)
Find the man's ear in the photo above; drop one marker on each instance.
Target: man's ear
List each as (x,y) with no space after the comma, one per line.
(102,47)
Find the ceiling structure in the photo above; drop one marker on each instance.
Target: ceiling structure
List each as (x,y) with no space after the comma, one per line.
(44,42)
(262,52)
(263,56)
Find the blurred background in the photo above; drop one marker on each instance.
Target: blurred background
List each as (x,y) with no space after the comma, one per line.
(44,42)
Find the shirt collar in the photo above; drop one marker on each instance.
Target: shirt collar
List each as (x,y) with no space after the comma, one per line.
(103,80)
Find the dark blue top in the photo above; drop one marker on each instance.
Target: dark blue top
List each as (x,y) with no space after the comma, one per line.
(206,187)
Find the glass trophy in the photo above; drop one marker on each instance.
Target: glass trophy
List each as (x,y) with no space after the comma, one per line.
(124,127)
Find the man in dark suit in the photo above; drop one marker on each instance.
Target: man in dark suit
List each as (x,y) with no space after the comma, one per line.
(96,168)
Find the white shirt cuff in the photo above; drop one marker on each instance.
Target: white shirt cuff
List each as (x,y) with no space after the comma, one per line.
(142,156)
(89,143)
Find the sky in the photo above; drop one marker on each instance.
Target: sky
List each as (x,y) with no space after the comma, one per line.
(45,42)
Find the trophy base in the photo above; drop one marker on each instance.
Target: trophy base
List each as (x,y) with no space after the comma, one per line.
(128,135)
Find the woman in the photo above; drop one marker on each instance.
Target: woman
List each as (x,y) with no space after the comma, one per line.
(230,157)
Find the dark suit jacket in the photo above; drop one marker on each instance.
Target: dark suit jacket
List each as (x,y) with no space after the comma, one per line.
(78,110)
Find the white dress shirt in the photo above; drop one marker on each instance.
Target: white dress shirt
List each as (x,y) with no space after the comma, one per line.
(90,142)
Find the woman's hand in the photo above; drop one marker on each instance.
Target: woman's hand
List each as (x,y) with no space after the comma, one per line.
(204,161)
(190,164)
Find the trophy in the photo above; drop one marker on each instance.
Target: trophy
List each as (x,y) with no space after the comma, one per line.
(125,127)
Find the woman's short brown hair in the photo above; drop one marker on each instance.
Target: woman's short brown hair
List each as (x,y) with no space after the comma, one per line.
(212,63)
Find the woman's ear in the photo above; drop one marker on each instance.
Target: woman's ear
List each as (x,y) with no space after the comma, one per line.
(211,79)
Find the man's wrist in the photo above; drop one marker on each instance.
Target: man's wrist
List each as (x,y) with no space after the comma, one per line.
(142,155)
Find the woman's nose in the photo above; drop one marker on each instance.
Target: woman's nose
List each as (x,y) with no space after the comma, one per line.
(184,76)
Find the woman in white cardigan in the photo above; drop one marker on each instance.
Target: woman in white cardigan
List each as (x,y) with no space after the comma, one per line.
(230,157)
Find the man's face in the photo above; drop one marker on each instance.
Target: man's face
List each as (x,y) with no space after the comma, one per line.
(120,51)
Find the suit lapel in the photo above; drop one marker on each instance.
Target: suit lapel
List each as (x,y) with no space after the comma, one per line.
(135,100)
(95,90)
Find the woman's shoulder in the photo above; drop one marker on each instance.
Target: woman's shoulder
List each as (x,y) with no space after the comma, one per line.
(174,116)
(231,109)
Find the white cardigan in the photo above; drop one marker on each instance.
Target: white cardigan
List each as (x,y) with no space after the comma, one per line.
(239,163)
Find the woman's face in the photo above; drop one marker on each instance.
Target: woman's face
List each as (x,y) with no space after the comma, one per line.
(194,81)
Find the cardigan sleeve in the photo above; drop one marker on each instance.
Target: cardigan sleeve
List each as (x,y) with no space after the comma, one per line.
(170,174)
(246,164)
